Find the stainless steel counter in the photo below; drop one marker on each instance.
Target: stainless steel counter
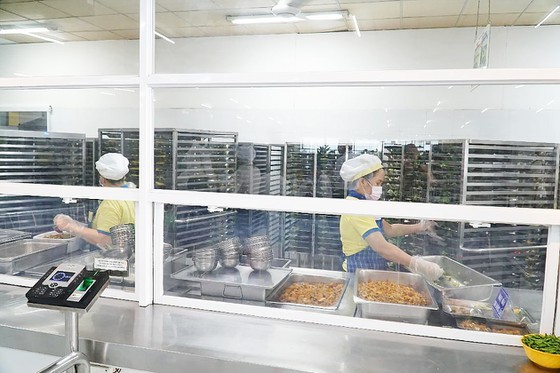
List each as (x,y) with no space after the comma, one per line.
(172,339)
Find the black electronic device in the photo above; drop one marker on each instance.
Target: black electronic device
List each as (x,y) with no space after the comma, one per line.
(68,286)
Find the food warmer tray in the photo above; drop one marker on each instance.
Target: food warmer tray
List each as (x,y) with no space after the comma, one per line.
(460,282)
(24,254)
(394,311)
(240,282)
(273,298)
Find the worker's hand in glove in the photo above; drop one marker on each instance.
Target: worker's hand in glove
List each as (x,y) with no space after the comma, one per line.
(431,271)
(65,223)
(428,227)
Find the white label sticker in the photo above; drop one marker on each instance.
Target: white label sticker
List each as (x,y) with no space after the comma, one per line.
(110,264)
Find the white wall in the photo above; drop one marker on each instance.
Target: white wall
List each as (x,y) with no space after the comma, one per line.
(306,114)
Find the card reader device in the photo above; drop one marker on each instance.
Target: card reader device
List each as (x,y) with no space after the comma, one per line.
(68,285)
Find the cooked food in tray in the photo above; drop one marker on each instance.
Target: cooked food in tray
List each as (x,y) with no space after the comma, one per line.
(391,292)
(448,281)
(312,293)
(470,324)
(58,236)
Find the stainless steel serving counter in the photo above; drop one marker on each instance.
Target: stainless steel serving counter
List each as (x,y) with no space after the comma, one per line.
(172,339)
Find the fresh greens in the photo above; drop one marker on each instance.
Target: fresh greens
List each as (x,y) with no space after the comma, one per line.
(548,343)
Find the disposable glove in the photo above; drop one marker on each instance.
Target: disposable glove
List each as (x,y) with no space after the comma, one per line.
(428,227)
(65,223)
(431,271)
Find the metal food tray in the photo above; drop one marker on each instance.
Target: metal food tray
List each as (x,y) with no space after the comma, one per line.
(9,235)
(495,324)
(21,255)
(460,281)
(273,298)
(73,243)
(240,282)
(470,308)
(394,311)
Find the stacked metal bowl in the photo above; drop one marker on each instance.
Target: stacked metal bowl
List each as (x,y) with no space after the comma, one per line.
(205,259)
(259,252)
(228,252)
(122,238)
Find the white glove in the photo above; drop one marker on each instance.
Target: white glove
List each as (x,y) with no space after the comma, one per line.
(65,223)
(429,227)
(431,271)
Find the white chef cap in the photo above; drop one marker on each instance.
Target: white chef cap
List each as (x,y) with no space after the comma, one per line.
(362,165)
(112,166)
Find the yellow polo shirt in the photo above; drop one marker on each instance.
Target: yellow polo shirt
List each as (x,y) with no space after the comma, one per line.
(112,213)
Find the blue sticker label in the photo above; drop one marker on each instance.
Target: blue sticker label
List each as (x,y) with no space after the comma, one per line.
(500,302)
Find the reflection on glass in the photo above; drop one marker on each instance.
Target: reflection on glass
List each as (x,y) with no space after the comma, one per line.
(482,262)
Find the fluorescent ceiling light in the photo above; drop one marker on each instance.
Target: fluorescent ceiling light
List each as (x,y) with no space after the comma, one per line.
(325,16)
(271,18)
(42,37)
(11,31)
(548,16)
(264,18)
(164,37)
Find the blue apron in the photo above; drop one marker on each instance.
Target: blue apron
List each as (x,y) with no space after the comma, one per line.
(366,258)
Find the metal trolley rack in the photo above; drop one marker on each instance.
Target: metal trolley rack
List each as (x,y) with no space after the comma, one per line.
(261,174)
(92,155)
(313,240)
(185,160)
(496,173)
(34,157)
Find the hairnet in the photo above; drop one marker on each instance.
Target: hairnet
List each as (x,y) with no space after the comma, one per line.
(360,166)
(112,166)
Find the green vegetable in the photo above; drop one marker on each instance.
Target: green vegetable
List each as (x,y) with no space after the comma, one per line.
(548,343)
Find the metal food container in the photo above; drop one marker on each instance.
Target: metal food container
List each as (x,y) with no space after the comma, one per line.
(492,325)
(21,255)
(460,282)
(240,282)
(273,298)
(72,243)
(275,263)
(394,311)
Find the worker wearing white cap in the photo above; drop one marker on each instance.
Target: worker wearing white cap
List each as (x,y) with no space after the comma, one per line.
(112,168)
(363,237)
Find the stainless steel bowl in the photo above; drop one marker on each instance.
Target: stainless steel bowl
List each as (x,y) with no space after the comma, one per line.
(205,265)
(260,265)
(229,262)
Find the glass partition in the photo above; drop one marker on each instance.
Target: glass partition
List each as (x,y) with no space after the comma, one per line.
(450,145)
(69,38)
(42,232)
(305,262)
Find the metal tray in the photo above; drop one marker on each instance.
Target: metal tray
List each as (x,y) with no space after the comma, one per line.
(470,308)
(73,243)
(394,311)
(496,326)
(461,282)
(9,235)
(21,255)
(273,298)
(240,282)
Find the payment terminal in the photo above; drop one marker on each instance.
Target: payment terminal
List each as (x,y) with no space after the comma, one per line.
(68,286)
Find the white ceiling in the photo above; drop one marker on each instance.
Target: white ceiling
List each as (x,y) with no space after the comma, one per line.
(84,20)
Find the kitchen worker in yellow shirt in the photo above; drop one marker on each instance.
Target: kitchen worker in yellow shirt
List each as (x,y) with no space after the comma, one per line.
(112,168)
(363,237)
